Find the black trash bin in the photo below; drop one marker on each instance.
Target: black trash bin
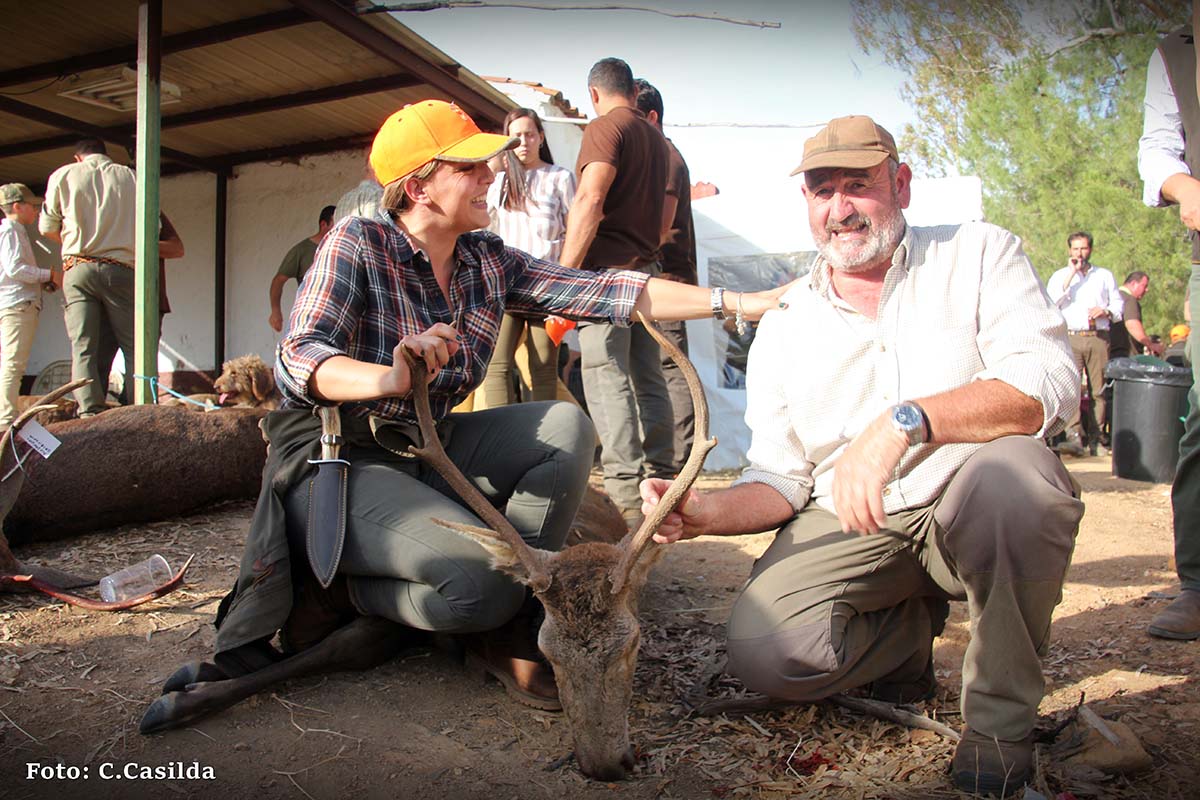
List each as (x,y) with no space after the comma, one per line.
(1150,402)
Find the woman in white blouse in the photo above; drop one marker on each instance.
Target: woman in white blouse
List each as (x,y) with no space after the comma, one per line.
(528,202)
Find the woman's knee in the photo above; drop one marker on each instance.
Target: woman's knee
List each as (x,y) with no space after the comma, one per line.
(565,427)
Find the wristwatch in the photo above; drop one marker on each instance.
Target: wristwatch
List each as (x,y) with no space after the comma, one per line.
(717,301)
(909,419)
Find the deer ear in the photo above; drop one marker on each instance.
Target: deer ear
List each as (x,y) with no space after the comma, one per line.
(504,558)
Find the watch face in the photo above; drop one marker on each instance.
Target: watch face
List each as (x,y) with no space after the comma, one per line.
(907,417)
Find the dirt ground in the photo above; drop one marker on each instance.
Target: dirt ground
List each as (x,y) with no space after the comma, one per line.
(73,686)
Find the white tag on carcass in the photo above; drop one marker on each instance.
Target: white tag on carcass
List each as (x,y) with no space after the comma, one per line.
(40,439)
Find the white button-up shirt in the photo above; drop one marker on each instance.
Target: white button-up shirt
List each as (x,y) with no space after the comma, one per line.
(1160,150)
(21,278)
(959,304)
(1075,296)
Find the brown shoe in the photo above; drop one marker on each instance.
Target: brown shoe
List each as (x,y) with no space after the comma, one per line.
(510,656)
(1180,620)
(983,765)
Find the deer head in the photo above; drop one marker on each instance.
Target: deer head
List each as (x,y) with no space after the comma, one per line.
(590,591)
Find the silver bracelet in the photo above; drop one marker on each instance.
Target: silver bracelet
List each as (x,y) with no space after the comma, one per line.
(740,320)
(717,301)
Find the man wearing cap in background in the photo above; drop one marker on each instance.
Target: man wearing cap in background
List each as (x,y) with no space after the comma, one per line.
(905,465)
(21,281)
(618,220)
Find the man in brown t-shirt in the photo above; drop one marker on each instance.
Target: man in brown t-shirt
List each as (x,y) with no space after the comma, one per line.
(618,221)
(1128,337)
(678,264)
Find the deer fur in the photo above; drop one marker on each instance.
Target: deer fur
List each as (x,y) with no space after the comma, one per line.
(137,464)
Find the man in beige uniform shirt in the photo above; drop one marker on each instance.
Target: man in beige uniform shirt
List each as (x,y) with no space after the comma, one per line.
(904,462)
(91,207)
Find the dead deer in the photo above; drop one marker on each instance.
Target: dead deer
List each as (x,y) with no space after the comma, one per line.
(590,593)
(16,576)
(12,479)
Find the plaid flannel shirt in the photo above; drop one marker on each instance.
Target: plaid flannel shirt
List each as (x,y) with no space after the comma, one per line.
(369,287)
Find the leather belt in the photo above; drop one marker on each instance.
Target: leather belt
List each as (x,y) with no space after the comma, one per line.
(70,261)
(326,533)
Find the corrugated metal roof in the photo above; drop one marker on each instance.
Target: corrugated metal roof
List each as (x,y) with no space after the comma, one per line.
(258,79)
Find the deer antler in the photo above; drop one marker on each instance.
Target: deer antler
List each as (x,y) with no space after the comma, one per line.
(434,454)
(634,545)
(46,403)
(99,605)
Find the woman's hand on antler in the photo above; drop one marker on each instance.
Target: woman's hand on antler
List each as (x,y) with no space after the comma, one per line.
(685,522)
(435,346)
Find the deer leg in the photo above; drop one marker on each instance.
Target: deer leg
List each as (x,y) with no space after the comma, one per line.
(362,644)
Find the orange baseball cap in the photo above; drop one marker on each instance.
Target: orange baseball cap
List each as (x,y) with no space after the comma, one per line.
(1179,333)
(855,142)
(428,130)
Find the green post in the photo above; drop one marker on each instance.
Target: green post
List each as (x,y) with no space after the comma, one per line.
(149,65)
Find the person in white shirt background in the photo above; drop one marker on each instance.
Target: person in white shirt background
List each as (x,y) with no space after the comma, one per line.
(1088,298)
(1167,162)
(21,283)
(529,201)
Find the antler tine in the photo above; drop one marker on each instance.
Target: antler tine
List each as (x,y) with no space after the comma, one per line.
(45,403)
(633,545)
(434,454)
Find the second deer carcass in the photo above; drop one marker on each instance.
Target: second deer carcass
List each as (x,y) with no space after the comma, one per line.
(590,593)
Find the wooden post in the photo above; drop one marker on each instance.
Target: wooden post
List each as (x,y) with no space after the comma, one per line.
(219,274)
(146,321)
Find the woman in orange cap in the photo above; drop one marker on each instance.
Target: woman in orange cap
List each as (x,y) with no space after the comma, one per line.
(422,276)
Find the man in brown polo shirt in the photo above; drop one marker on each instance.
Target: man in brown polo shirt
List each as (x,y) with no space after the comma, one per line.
(618,222)
(678,264)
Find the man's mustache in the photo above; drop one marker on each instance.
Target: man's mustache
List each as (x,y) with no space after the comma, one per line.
(851,222)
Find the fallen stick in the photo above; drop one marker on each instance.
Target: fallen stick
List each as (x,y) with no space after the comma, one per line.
(873,708)
(1093,719)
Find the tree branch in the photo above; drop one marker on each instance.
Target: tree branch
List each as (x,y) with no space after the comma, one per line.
(436,5)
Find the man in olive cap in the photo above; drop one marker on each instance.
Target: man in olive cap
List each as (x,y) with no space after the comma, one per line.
(905,464)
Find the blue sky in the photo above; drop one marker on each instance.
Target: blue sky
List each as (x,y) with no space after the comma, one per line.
(805,72)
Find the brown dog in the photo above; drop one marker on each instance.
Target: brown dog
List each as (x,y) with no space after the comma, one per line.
(247,381)
(244,382)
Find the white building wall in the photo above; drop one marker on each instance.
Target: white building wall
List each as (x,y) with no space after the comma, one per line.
(271,206)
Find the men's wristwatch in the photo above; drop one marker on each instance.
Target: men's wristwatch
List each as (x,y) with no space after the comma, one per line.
(909,419)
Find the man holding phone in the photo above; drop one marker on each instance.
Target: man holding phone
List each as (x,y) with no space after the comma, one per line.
(1088,298)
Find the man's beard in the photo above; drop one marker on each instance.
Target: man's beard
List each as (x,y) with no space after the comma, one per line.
(880,243)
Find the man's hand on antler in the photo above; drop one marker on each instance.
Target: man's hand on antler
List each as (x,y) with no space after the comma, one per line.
(866,466)
(685,522)
(435,346)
